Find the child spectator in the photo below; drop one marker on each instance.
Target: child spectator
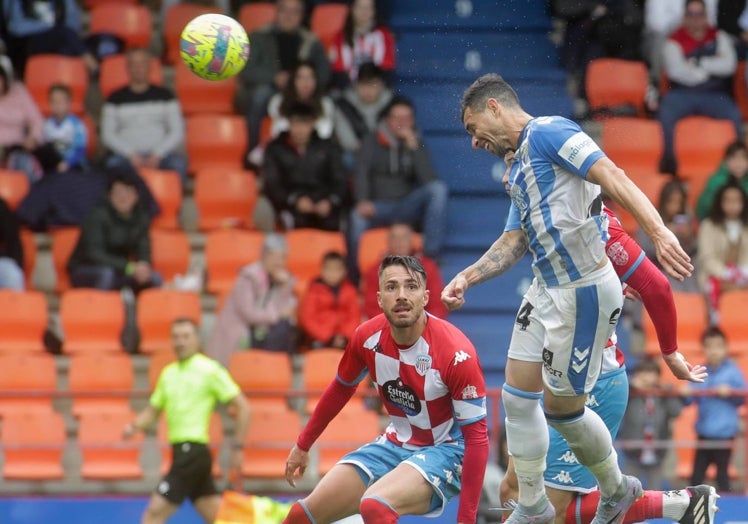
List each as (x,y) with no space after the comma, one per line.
(734,165)
(364,39)
(330,309)
(648,418)
(718,413)
(401,241)
(673,208)
(723,247)
(65,131)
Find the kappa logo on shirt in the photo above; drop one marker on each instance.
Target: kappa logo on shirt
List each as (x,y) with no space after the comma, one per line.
(569,457)
(563,477)
(591,401)
(460,356)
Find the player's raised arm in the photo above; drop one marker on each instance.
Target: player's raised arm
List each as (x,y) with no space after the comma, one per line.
(620,188)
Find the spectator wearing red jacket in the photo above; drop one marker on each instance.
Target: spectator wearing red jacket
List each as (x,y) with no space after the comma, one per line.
(401,241)
(330,309)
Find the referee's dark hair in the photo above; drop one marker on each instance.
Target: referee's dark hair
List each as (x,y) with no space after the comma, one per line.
(410,263)
(186,320)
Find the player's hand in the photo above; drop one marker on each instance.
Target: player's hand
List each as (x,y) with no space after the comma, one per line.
(453,295)
(129,431)
(673,259)
(235,464)
(683,370)
(298,460)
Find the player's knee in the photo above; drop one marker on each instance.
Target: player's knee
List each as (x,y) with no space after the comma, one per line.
(298,514)
(374,510)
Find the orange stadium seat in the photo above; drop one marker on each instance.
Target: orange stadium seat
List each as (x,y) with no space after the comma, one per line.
(651,184)
(271,434)
(307,246)
(99,381)
(226,252)
(23,320)
(327,21)
(170,252)
(216,141)
(32,377)
(614,82)
(319,369)
(13,187)
(215,436)
(131,22)
(157,309)
(63,244)
(225,197)
(106,456)
(156,364)
(167,190)
(257,371)
(197,95)
(350,429)
(732,308)
(92,320)
(633,143)
(90,4)
(700,144)
(692,321)
(113,74)
(176,18)
(28,244)
(33,444)
(44,70)
(373,245)
(255,15)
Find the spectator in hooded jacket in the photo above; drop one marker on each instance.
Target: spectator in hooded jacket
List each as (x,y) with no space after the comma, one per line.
(114,248)
(330,310)
(303,175)
(395,181)
(734,167)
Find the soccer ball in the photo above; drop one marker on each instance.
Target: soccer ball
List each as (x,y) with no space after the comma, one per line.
(214,47)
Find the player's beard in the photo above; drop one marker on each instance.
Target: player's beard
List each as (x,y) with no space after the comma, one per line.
(403,321)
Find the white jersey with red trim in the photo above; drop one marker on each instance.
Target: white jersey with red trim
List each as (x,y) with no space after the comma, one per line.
(429,389)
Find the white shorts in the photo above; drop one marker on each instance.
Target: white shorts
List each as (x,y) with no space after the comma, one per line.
(567,328)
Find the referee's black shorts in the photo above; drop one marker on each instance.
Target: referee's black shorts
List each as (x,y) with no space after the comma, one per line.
(190,474)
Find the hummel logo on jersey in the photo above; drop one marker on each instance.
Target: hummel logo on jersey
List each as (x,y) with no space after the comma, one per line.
(460,356)
(579,359)
(563,477)
(569,457)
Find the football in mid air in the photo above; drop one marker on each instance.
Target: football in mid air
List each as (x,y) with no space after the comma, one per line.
(214,46)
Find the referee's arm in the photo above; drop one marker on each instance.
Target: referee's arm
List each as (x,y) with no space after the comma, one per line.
(240,407)
(143,421)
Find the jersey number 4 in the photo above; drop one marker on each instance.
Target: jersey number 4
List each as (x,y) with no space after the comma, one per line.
(523,317)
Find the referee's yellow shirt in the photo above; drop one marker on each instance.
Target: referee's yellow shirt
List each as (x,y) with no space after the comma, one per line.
(188,391)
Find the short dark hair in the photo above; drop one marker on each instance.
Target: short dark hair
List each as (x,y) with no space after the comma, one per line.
(647,364)
(735,147)
(712,332)
(185,320)
(369,71)
(62,88)
(410,263)
(333,256)
(397,100)
(302,111)
(121,177)
(488,86)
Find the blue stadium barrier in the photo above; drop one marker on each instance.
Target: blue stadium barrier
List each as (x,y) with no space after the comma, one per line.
(450,56)
(489,333)
(466,172)
(471,14)
(498,295)
(475,222)
(438,103)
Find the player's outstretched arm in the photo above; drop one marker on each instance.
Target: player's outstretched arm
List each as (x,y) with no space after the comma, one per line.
(502,255)
(620,188)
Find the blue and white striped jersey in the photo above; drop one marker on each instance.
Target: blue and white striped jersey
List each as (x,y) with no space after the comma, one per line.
(553,203)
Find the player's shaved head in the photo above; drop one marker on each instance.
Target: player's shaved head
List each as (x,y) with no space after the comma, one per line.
(488,86)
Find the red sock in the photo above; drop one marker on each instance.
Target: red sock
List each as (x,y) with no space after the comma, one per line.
(376,511)
(582,509)
(297,515)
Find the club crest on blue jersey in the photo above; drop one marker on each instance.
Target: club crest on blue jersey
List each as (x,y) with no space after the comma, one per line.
(423,364)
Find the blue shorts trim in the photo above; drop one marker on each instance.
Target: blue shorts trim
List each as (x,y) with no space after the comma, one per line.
(633,267)
(522,394)
(608,399)
(440,466)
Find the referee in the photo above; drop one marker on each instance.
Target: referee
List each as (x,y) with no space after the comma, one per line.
(188,390)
